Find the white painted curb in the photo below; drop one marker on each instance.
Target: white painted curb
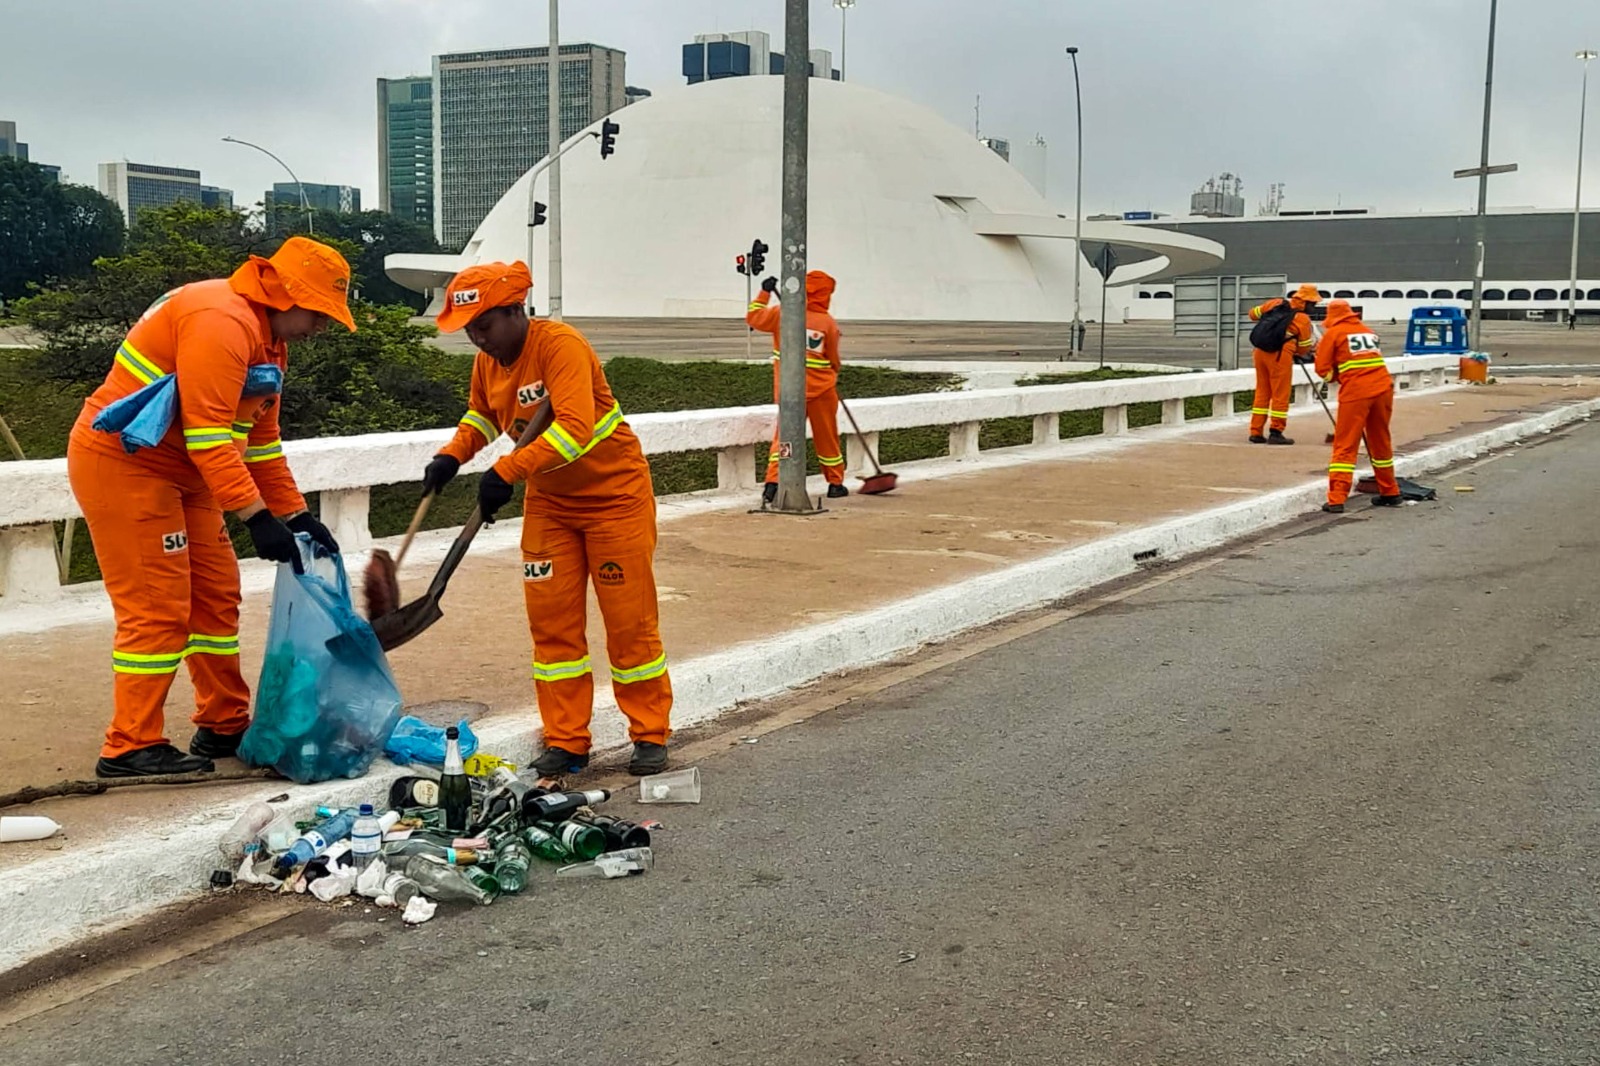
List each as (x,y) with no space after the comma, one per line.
(53,902)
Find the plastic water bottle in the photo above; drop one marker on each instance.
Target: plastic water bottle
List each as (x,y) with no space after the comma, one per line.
(245,833)
(366,837)
(314,842)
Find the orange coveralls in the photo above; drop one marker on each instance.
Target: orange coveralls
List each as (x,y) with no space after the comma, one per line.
(589,513)
(1275,370)
(1349,354)
(156,516)
(822,372)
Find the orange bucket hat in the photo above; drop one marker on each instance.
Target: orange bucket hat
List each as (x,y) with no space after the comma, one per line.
(1308,294)
(316,277)
(479,288)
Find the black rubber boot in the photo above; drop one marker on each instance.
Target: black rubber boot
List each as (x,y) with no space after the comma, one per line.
(152,761)
(1277,437)
(769,492)
(209,744)
(648,758)
(1256,438)
(836,491)
(1333,508)
(1386,501)
(557,761)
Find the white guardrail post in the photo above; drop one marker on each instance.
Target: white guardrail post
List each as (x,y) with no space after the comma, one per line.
(342,470)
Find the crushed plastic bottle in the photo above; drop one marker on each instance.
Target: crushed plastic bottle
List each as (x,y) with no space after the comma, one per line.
(629,861)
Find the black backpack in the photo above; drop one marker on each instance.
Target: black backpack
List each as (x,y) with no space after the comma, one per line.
(1272,331)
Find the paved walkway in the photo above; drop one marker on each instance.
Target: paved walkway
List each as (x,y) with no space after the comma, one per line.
(728,577)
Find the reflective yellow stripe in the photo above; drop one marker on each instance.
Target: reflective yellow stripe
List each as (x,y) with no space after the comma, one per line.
(648,672)
(818,364)
(831,460)
(559,439)
(1258,410)
(202,644)
(1278,414)
(1383,462)
(563,442)
(561,671)
(1310,343)
(755,306)
(199,438)
(137,364)
(241,430)
(481,423)
(1359,364)
(260,453)
(1341,468)
(131,662)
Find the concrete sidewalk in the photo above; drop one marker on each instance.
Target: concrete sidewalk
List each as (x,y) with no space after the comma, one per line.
(752,604)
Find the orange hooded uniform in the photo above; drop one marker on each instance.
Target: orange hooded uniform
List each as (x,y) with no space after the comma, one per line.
(1349,354)
(822,371)
(589,512)
(1275,370)
(156,516)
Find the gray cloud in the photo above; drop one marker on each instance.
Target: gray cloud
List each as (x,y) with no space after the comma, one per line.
(1374,106)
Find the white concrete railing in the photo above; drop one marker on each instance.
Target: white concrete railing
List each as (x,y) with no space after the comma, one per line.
(343,469)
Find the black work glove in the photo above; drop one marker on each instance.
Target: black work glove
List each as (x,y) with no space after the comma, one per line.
(311,527)
(272,539)
(494,492)
(1305,360)
(437,474)
(769,284)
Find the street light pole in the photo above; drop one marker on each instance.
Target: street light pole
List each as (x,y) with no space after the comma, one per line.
(844,7)
(1077,236)
(305,205)
(1483,188)
(553,311)
(1577,199)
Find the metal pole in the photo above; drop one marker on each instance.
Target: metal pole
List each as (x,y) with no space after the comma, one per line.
(1103,287)
(792,496)
(749,298)
(305,205)
(1483,187)
(554,310)
(844,7)
(1077,237)
(1577,198)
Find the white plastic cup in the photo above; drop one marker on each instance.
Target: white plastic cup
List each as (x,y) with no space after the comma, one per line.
(675,786)
(37,827)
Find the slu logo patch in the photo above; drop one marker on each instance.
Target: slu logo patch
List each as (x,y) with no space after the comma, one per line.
(531,394)
(610,574)
(171,543)
(464,298)
(538,570)
(1364,342)
(813,340)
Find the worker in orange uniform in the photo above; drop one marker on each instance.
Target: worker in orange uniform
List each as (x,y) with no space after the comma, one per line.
(589,513)
(822,376)
(1349,354)
(155,515)
(1275,370)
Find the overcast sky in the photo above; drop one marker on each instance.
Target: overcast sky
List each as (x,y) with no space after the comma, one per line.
(1362,102)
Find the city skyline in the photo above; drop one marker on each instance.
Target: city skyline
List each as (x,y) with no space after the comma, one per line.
(1168,100)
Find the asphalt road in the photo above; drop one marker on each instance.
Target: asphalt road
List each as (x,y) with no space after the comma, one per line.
(1331,800)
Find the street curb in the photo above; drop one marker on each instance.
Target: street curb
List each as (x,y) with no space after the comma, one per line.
(53,902)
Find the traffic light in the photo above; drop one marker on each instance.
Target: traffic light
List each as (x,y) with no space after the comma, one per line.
(738,263)
(538,214)
(608,137)
(758,258)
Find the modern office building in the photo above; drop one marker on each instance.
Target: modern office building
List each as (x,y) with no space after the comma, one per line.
(491,121)
(405,148)
(632,94)
(998,145)
(713,56)
(342,199)
(211,196)
(136,186)
(11,148)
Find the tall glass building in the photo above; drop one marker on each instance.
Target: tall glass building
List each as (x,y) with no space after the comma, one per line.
(136,186)
(491,121)
(405,148)
(342,199)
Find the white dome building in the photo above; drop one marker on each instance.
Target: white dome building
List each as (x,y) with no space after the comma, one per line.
(912,216)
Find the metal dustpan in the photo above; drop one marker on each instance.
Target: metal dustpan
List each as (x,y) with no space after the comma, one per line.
(404,623)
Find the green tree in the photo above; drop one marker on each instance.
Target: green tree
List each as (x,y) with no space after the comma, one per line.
(374,235)
(50,231)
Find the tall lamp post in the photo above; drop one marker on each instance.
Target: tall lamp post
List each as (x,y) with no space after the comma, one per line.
(553,311)
(1077,213)
(298,184)
(844,7)
(1577,199)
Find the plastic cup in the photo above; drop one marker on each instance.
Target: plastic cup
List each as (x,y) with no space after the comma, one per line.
(675,786)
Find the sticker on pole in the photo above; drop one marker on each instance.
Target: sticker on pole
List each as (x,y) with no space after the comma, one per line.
(785,450)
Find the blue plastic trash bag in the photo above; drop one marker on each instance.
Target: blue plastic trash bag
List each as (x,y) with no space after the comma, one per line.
(142,418)
(326,701)
(414,740)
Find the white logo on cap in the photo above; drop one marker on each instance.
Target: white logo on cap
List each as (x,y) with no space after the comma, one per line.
(464,298)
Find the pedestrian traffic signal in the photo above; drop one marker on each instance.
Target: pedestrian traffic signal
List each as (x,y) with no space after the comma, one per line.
(738,263)
(758,257)
(538,214)
(608,137)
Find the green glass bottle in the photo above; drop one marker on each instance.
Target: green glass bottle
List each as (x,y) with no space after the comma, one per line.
(511,861)
(583,841)
(545,844)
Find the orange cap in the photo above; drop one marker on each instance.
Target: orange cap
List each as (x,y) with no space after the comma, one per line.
(1308,294)
(481,287)
(316,277)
